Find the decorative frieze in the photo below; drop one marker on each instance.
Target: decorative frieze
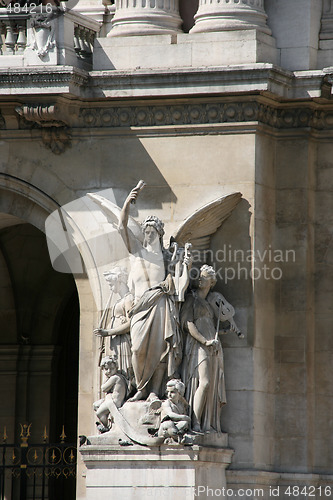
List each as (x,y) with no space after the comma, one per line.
(146,17)
(206,113)
(226,15)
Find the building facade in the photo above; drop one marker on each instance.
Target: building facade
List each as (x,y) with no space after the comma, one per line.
(199,99)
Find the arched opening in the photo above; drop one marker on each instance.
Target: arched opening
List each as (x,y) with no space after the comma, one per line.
(39,345)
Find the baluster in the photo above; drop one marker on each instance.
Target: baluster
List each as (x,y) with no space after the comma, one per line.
(21,39)
(91,40)
(10,39)
(81,42)
(86,40)
(76,42)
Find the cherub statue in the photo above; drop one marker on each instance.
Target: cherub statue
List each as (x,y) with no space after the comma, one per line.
(174,419)
(115,387)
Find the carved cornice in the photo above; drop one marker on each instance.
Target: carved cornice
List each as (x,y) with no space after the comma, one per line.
(46,80)
(206,113)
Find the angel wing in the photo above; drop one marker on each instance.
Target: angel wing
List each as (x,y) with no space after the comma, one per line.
(200,226)
(112,213)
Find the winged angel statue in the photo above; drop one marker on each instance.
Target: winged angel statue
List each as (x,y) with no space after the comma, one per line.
(159,328)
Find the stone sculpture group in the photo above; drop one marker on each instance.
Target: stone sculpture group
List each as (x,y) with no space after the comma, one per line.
(165,372)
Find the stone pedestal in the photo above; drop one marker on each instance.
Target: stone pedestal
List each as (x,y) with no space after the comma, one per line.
(137,472)
(184,51)
(146,17)
(226,15)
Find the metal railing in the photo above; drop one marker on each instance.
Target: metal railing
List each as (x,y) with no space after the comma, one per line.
(30,471)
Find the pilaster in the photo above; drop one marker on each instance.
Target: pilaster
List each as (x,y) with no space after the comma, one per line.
(325,52)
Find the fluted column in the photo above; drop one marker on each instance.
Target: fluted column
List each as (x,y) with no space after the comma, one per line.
(146,17)
(326,32)
(227,15)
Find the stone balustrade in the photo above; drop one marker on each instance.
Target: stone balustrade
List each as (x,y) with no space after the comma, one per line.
(146,17)
(84,42)
(227,15)
(63,38)
(13,34)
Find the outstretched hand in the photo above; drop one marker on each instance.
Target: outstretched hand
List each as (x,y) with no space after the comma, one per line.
(100,332)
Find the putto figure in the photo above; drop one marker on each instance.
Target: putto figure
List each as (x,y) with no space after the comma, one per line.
(115,388)
(175,421)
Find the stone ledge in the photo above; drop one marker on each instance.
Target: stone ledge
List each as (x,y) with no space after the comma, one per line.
(245,79)
(92,454)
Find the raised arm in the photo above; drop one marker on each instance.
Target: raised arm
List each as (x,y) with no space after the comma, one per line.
(123,218)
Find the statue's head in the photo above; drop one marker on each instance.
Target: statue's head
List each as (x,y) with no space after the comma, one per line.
(207,273)
(109,364)
(116,276)
(152,228)
(177,385)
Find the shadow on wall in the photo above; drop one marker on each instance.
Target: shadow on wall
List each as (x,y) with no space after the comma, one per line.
(187,11)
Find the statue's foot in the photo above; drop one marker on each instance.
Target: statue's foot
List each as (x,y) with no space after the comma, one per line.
(102,428)
(137,397)
(152,396)
(196,428)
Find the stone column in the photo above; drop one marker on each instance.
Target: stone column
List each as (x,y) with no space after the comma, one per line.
(146,17)
(230,15)
(325,51)
(326,32)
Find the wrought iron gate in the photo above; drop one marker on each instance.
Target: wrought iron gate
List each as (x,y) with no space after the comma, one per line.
(43,471)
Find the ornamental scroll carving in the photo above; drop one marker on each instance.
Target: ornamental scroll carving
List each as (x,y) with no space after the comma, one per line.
(50,118)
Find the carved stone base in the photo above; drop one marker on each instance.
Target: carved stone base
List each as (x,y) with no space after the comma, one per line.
(137,472)
(137,423)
